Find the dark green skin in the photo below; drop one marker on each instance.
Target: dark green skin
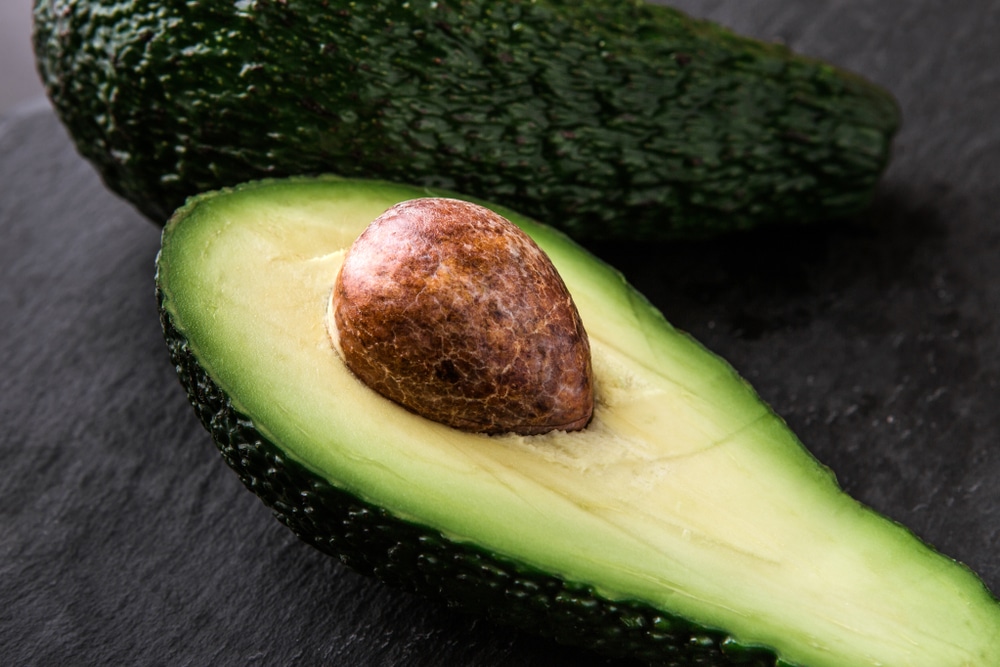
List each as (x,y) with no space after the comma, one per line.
(607,118)
(421,560)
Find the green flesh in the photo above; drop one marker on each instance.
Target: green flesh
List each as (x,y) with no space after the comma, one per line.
(606,118)
(686,494)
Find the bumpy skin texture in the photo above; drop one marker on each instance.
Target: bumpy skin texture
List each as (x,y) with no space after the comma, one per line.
(450,310)
(421,560)
(607,118)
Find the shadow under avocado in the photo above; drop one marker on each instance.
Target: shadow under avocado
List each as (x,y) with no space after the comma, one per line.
(782,277)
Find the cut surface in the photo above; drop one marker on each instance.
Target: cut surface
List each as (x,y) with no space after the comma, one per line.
(685,492)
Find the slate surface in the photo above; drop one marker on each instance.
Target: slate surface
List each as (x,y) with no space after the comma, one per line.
(125,540)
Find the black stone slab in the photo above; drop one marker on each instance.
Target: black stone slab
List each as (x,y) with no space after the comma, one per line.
(124,539)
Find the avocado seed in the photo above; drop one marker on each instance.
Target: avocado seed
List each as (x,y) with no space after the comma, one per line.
(450,310)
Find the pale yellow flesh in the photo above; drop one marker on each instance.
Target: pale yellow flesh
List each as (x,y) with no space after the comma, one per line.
(685,492)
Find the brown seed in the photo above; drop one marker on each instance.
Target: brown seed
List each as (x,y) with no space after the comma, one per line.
(450,310)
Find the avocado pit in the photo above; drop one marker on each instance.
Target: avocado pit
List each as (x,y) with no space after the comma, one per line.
(450,310)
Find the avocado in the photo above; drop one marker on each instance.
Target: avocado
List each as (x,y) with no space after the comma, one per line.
(605,118)
(685,525)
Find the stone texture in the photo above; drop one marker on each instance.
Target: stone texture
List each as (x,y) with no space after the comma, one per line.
(451,311)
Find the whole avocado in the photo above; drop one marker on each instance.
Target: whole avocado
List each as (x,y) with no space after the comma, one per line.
(609,119)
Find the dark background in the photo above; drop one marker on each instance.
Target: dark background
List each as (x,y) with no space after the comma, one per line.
(19,84)
(124,539)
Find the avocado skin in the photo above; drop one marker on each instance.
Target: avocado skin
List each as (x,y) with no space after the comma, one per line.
(370,540)
(606,118)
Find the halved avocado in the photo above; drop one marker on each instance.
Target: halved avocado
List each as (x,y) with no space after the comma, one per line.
(685,525)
